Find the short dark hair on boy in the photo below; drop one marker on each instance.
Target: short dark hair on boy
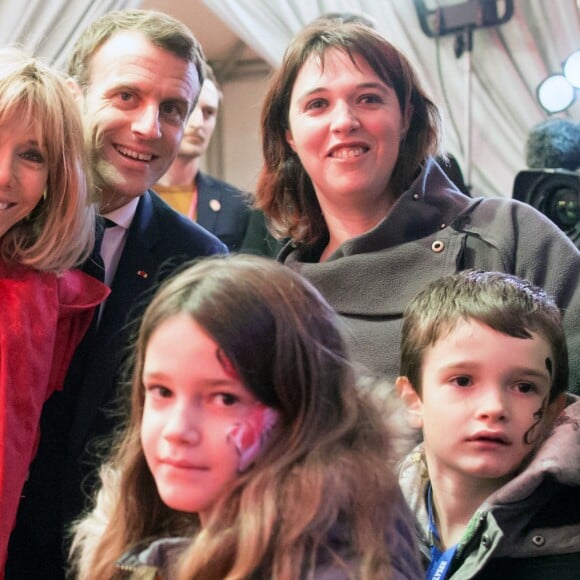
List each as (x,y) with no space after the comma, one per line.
(504,302)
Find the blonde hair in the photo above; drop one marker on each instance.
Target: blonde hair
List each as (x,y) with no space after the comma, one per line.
(329,462)
(59,232)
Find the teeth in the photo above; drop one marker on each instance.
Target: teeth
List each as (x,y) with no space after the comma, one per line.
(5,205)
(348,152)
(134,155)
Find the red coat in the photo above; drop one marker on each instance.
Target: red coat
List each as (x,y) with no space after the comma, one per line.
(42,320)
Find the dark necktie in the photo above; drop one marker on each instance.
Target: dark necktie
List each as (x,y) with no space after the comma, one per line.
(94,266)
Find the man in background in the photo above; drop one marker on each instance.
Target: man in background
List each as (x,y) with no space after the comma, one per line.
(214,204)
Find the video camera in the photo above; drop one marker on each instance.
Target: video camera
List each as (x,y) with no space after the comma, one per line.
(555,193)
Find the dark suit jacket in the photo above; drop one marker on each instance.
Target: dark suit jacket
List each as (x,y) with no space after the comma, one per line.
(258,240)
(222,210)
(159,240)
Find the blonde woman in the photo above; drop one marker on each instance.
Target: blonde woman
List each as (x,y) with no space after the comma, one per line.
(251,451)
(46,228)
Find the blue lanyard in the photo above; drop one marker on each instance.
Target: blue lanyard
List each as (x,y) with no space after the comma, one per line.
(440,561)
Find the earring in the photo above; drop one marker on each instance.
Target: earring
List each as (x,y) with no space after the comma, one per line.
(44,193)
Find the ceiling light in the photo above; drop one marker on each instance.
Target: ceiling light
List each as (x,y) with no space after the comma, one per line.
(555,93)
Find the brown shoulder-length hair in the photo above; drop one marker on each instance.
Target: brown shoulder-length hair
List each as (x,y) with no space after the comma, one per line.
(59,232)
(327,461)
(285,192)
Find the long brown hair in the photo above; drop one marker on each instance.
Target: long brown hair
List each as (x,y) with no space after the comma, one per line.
(285,192)
(327,463)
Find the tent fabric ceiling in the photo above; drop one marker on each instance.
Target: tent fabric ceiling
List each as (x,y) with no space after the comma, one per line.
(507,63)
(50,29)
(505,67)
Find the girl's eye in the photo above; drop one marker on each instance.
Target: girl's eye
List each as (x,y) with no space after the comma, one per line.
(461,381)
(227,399)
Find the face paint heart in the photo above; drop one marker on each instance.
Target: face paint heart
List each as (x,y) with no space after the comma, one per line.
(249,437)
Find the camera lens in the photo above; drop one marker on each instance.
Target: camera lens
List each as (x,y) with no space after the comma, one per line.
(554,192)
(563,207)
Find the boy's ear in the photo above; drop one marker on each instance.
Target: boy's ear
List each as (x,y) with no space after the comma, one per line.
(555,408)
(412,401)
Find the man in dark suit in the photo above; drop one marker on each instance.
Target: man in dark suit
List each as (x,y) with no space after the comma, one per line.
(214,204)
(137,75)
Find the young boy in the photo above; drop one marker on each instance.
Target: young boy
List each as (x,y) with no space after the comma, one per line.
(495,485)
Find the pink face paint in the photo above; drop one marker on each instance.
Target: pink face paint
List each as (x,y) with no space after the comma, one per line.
(250,436)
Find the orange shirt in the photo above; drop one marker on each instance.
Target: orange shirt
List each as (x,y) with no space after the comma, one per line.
(182,198)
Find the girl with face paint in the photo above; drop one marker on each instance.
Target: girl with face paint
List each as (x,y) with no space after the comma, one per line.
(251,451)
(495,484)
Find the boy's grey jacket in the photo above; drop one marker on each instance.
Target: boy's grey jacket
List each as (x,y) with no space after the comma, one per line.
(533,518)
(434,230)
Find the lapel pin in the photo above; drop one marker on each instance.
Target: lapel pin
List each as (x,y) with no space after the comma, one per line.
(215,205)
(142,274)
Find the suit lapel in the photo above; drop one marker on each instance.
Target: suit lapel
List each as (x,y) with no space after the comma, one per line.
(135,276)
(137,267)
(209,203)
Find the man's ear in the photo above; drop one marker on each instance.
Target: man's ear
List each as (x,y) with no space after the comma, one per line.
(75,89)
(412,402)
(290,140)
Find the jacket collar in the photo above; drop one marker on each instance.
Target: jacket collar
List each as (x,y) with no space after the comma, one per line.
(156,558)
(432,196)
